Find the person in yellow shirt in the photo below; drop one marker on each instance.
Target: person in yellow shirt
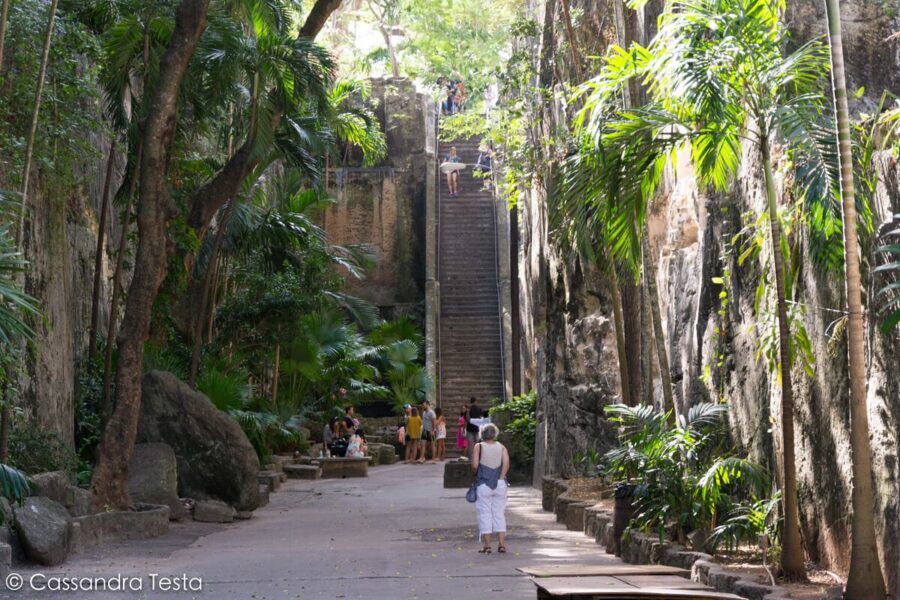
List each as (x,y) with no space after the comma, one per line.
(413,435)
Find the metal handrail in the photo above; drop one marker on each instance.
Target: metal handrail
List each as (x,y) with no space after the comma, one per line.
(437,254)
(499,287)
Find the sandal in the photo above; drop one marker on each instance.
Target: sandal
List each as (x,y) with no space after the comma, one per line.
(501,549)
(485,550)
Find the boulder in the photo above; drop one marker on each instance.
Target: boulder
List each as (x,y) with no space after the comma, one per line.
(43,527)
(78,501)
(213,511)
(387,455)
(153,477)
(215,460)
(53,485)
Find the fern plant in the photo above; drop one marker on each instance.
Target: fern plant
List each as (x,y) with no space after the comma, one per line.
(889,294)
(684,474)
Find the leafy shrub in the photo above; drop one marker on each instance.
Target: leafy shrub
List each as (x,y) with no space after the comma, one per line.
(518,424)
(684,474)
(33,450)
(228,390)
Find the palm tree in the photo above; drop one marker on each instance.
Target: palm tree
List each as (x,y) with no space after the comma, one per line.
(716,77)
(865,579)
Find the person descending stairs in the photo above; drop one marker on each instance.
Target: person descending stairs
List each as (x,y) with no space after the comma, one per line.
(470,346)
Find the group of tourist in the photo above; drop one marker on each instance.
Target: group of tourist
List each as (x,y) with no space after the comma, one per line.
(423,427)
(454,94)
(453,164)
(343,437)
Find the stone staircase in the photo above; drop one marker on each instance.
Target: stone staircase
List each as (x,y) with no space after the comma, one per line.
(471,357)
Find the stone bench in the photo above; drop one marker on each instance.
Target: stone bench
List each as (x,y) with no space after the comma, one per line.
(338,468)
(458,474)
(269,478)
(382,454)
(302,471)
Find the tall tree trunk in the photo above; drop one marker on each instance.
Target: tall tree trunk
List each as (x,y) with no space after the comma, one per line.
(4,11)
(865,580)
(98,256)
(317,17)
(630,295)
(109,487)
(111,325)
(620,336)
(792,560)
(570,31)
(659,336)
(276,374)
(32,130)
(200,320)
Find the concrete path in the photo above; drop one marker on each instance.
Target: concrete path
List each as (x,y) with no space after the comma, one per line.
(397,535)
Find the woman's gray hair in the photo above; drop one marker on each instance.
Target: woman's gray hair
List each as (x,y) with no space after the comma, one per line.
(490,432)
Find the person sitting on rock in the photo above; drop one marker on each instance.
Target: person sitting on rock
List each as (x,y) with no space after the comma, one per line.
(357,446)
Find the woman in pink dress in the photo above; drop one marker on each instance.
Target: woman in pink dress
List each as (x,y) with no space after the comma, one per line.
(461,441)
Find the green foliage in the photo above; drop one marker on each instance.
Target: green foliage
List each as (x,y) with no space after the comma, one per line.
(14,485)
(684,473)
(443,38)
(227,389)
(33,449)
(88,421)
(70,103)
(518,432)
(161,358)
(747,521)
(716,75)
(751,243)
(16,306)
(889,294)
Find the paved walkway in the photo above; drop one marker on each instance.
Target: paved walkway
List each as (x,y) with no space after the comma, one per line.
(397,535)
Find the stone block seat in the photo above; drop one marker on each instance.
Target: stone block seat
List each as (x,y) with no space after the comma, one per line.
(458,474)
(335,467)
(302,471)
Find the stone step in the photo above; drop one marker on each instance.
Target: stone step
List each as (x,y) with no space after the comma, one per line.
(303,471)
(270,478)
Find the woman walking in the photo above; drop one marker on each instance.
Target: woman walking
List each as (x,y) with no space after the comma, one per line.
(490,461)
(413,435)
(440,435)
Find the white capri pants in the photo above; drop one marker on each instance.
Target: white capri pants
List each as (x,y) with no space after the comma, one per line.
(491,508)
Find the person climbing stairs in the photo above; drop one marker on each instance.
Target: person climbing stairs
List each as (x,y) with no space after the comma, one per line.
(470,344)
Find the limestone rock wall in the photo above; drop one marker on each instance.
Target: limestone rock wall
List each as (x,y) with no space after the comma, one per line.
(384,206)
(568,348)
(60,245)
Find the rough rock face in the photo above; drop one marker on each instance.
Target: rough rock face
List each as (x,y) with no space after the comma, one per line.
(153,477)
(384,206)
(563,356)
(43,527)
(215,459)
(60,242)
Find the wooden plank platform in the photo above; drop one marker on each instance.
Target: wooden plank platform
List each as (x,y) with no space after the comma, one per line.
(626,587)
(599,570)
